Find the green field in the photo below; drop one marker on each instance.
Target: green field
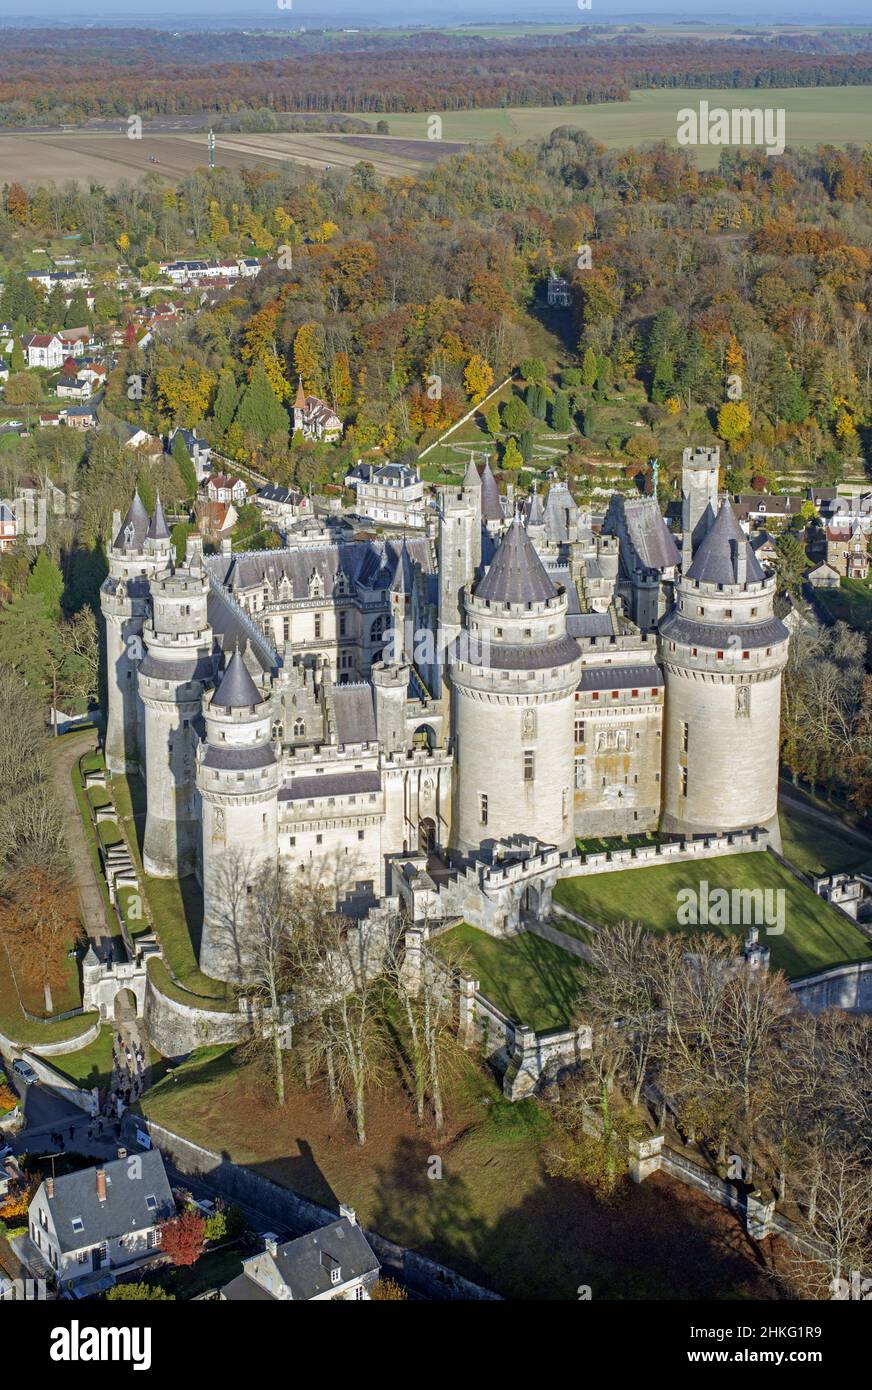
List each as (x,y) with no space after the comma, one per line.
(850,603)
(814,116)
(531,980)
(815,935)
(817,849)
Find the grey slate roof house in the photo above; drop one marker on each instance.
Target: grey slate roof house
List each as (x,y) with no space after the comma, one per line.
(101,1220)
(335,1262)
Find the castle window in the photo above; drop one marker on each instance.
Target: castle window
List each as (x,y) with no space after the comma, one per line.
(286,629)
(693,651)
(634,694)
(753,612)
(653,690)
(342,619)
(728,612)
(615,694)
(579,731)
(529,765)
(720,656)
(317,626)
(745,656)
(319,839)
(595,695)
(684,781)
(360,834)
(292,840)
(482,809)
(685,736)
(701,612)
(299,728)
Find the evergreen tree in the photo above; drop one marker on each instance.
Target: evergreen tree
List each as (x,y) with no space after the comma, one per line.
(662,338)
(55,308)
(185,465)
(587,423)
(527,444)
(226,401)
(78,314)
(589,369)
(259,410)
(787,399)
(512,457)
(516,416)
(561,419)
(663,383)
(17,360)
(46,583)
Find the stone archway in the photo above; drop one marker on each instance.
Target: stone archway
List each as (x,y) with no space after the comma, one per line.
(424,737)
(124,1007)
(426,835)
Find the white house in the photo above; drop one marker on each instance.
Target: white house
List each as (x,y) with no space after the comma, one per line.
(101,1220)
(43,350)
(392,494)
(222,487)
(335,1262)
(280,503)
(8,526)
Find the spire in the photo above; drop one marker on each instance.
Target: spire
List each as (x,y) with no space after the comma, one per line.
(535,510)
(402,580)
(471,476)
(158,529)
(237,690)
(491,507)
(717,560)
(134,527)
(516,575)
(300,398)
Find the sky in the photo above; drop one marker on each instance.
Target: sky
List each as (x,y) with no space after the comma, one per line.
(258,13)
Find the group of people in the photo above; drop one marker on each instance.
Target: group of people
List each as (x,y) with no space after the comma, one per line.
(128,1072)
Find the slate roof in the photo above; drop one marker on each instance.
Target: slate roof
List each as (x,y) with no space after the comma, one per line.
(303,1266)
(402,580)
(137,518)
(158,529)
(225,759)
(370,563)
(527,656)
(471,475)
(715,559)
(491,505)
(589,625)
(716,636)
(330,784)
(620,678)
(535,512)
(561,512)
(75,1199)
(650,536)
(516,574)
(236,689)
(284,495)
(355,717)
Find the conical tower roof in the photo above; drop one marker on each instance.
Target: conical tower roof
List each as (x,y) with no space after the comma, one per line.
(491,506)
(715,559)
(158,529)
(535,511)
(300,398)
(471,477)
(236,689)
(402,580)
(137,519)
(516,575)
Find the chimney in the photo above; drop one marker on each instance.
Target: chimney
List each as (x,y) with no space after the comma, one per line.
(122,1152)
(49,1187)
(349,1213)
(101,1185)
(270,1243)
(742,562)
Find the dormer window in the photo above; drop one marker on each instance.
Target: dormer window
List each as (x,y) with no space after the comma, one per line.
(336,1275)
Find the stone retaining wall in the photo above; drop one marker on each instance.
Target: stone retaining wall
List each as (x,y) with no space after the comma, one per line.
(843,987)
(176,1029)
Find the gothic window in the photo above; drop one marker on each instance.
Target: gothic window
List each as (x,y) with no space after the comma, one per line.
(316,586)
(376,631)
(299,728)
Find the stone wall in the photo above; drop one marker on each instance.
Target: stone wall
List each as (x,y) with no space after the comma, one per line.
(288,1209)
(176,1029)
(644,856)
(843,987)
(55,1049)
(50,1076)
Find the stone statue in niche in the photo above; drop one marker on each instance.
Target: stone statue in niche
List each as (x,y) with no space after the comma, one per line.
(743,701)
(528,726)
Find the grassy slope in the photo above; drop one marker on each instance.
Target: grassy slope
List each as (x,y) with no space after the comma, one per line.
(531,980)
(815,936)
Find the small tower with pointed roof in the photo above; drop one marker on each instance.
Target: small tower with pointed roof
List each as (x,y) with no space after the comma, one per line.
(514,673)
(238,775)
(723,651)
(135,557)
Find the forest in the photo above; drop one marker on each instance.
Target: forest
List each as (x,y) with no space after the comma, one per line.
(75,75)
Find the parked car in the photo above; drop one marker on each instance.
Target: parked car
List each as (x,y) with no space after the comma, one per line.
(24,1071)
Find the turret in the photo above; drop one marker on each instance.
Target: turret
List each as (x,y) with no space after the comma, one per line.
(459,550)
(723,651)
(237,781)
(133,563)
(699,491)
(178,664)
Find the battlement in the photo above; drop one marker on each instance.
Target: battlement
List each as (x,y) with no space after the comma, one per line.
(701,456)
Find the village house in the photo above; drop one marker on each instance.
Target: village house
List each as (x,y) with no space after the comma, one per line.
(280,503)
(215,519)
(67,279)
(72,388)
(83,417)
(335,1262)
(8,526)
(102,1220)
(4,369)
(823,576)
(224,487)
(848,551)
(757,508)
(43,350)
(314,418)
(198,450)
(393,494)
(74,340)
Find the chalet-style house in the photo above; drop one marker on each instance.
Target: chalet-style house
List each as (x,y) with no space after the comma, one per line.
(101,1220)
(314,417)
(847,551)
(224,487)
(335,1262)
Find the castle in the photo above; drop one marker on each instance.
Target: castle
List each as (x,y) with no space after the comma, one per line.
(338,703)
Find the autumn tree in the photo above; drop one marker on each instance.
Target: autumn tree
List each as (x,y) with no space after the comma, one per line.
(183,1238)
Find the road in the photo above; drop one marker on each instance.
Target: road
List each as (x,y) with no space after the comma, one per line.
(64,752)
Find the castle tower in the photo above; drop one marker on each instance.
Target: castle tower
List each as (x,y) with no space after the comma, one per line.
(723,650)
(700,469)
(124,602)
(459,549)
(513,677)
(492,515)
(237,782)
(177,665)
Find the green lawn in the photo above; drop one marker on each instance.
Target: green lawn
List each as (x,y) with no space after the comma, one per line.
(815,935)
(529,979)
(91,1065)
(815,849)
(850,603)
